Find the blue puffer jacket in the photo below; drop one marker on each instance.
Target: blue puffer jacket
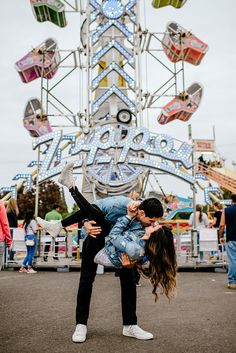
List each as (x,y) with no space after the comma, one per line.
(125,237)
(113,208)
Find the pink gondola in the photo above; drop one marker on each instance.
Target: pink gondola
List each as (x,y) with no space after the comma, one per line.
(183,106)
(35,121)
(180,44)
(42,61)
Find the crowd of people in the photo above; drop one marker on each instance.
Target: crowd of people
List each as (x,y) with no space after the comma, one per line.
(211,163)
(122,232)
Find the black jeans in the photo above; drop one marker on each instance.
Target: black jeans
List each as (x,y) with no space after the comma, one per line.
(47,248)
(91,246)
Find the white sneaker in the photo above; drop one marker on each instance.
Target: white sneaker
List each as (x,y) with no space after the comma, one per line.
(80,333)
(52,228)
(31,270)
(136,332)
(66,178)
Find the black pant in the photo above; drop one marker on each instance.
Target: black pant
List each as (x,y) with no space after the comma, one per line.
(47,248)
(91,246)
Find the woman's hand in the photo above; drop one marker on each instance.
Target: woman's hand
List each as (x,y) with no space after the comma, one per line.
(149,231)
(91,229)
(132,208)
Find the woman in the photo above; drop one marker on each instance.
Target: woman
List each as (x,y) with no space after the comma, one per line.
(12,216)
(156,247)
(201,218)
(4,232)
(201,223)
(30,227)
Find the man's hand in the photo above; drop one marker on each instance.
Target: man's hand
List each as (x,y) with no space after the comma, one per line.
(126,262)
(91,229)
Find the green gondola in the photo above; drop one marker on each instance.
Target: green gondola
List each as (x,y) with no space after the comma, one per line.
(175,3)
(53,11)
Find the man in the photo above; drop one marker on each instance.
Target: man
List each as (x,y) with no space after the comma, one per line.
(228,220)
(110,209)
(52,216)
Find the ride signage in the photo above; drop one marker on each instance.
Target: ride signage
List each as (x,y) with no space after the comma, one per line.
(136,146)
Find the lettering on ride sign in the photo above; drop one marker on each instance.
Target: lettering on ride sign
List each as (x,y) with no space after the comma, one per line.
(126,139)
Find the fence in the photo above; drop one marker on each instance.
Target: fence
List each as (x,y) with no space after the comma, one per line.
(193,249)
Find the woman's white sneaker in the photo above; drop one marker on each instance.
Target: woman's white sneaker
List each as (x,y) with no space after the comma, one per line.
(80,333)
(66,178)
(136,332)
(31,270)
(52,228)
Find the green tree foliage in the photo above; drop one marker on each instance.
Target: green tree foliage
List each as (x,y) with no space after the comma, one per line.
(226,193)
(49,194)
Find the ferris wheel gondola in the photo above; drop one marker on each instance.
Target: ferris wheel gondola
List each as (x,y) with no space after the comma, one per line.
(180,44)
(183,106)
(35,120)
(42,61)
(49,10)
(175,3)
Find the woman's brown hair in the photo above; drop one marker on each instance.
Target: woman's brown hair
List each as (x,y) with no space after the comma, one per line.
(162,269)
(12,206)
(199,209)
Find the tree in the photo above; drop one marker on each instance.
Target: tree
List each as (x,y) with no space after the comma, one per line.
(226,194)
(49,194)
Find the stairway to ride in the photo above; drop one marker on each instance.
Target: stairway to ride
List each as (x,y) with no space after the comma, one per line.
(223,180)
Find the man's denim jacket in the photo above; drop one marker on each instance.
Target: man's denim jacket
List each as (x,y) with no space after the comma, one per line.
(112,207)
(125,237)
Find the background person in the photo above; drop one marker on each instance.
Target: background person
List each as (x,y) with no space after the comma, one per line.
(216,223)
(52,216)
(201,223)
(228,221)
(30,227)
(12,216)
(4,232)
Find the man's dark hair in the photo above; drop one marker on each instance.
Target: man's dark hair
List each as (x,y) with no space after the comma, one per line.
(233,198)
(55,206)
(152,207)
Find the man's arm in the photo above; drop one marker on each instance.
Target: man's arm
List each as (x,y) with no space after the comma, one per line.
(222,226)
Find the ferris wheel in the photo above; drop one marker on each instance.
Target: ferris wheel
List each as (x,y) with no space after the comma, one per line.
(109,137)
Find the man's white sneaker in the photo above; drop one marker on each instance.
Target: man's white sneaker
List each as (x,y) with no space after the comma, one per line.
(52,228)
(80,333)
(66,178)
(136,332)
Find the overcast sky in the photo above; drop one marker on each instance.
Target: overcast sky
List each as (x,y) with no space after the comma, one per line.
(212,21)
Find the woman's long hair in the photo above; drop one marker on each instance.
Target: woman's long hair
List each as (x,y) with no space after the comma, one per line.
(12,206)
(160,252)
(28,218)
(199,209)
